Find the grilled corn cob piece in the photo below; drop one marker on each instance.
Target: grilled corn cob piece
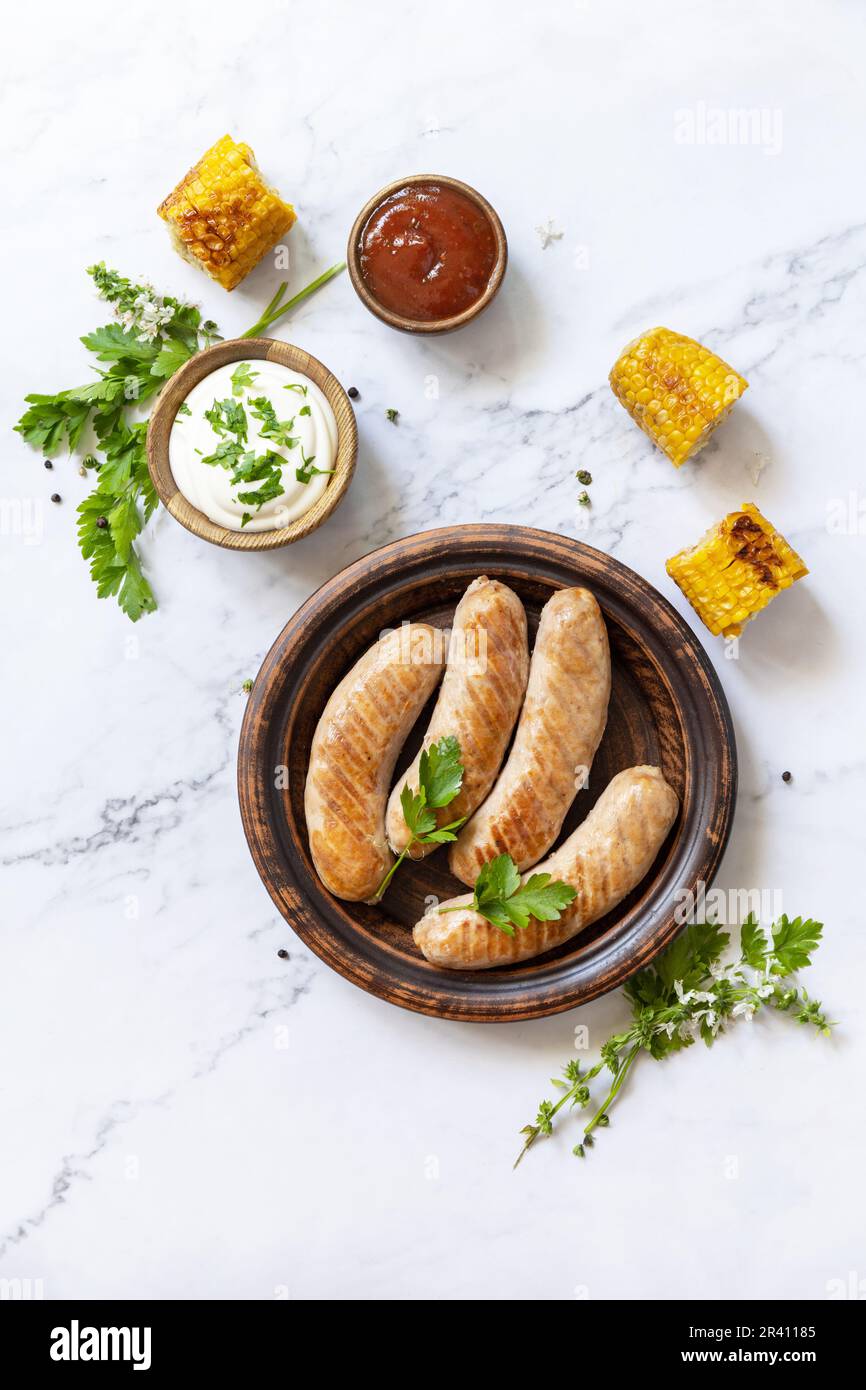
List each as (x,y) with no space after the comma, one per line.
(675,390)
(223,216)
(735,570)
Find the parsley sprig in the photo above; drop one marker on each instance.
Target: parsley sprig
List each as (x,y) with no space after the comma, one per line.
(507,903)
(440,777)
(154,336)
(686,994)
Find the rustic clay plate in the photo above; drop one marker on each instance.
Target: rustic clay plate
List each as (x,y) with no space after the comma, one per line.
(666,708)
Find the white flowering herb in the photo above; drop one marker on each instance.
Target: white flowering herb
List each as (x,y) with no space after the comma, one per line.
(688,993)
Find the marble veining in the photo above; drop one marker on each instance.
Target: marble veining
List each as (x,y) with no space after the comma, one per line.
(186,1113)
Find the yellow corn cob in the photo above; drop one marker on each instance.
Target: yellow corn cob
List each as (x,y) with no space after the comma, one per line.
(675,390)
(223,216)
(735,570)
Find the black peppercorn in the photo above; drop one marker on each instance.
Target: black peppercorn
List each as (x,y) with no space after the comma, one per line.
(283,955)
(101,522)
(786,776)
(55,497)
(353,392)
(48,463)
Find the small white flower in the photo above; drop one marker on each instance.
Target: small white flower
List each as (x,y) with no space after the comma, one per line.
(764,991)
(683,998)
(548,233)
(745,1009)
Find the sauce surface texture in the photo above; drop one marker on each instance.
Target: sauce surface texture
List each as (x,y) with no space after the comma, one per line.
(427,252)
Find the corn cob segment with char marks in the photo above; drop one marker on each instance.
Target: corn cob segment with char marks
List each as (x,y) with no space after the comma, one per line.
(223,216)
(675,390)
(735,570)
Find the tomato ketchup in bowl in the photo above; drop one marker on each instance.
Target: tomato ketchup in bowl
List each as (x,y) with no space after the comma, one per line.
(427,254)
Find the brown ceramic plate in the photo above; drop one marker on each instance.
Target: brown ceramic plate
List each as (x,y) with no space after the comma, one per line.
(666,707)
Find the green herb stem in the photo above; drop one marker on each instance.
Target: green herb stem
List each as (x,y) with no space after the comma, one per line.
(620,1077)
(393,869)
(276,309)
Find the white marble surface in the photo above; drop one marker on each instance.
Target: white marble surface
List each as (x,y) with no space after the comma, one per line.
(185,1114)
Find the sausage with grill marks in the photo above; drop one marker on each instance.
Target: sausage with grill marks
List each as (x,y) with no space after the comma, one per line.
(480,699)
(356,744)
(560,728)
(603,860)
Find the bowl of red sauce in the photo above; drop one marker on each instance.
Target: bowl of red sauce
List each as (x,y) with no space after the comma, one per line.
(427,254)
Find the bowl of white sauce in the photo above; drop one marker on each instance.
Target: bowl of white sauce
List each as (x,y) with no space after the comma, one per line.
(252,444)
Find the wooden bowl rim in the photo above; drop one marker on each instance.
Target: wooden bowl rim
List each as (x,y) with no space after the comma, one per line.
(176,390)
(400,321)
(534,989)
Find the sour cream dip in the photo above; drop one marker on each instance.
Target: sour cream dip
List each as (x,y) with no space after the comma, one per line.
(253,445)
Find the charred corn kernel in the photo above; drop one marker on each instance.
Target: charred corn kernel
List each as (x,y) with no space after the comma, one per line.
(735,570)
(223,216)
(675,390)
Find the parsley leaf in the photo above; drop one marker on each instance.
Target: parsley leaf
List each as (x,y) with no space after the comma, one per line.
(440,777)
(241,377)
(228,417)
(506,903)
(793,944)
(272,428)
(440,772)
(307,468)
(753,943)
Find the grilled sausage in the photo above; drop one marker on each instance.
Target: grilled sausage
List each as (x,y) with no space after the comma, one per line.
(485,680)
(356,744)
(560,728)
(604,859)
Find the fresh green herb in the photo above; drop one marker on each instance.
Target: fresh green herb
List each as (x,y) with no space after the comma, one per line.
(687,994)
(440,777)
(153,337)
(392,415)
(225,455)
(583,499)
(276,309)
(500,896)
(227,417)
(242,377)
(296,386)
(247,685)
(583,476)
(305,410)
(270,427)
(265,469)
(308,468)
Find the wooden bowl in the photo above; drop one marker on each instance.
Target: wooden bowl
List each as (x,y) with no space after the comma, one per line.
(666,708)
(178,387)
(407,325)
